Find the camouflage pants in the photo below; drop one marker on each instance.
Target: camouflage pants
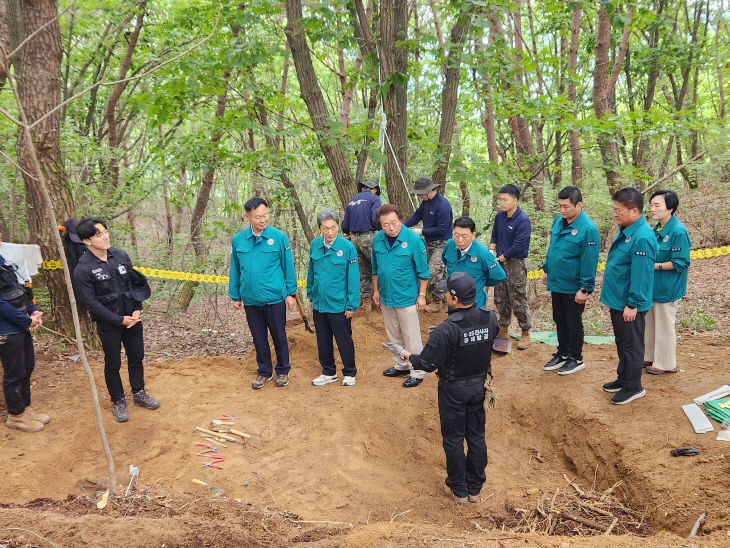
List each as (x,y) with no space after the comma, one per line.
(363,242)
(511,295)
(438,269)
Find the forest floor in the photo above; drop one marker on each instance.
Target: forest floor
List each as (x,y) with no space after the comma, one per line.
(363,465)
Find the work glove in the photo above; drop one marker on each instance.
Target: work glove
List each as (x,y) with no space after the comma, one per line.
(418,231)
(684,452)
(490,396)
(395,349)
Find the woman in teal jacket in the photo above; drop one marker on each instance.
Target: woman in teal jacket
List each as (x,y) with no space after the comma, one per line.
(670,284)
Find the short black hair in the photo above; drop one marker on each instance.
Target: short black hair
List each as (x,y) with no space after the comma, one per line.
(572,193)
(629,197)
(670,199)
(510,189)
(87,227)
(253,203)
(465,222)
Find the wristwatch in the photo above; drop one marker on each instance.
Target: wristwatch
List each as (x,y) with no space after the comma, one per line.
(584,291)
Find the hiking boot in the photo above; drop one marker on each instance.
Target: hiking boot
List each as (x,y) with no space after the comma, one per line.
(556,362)
(143,399)
(571,366)
(473,498)
(433,307)
(261,381)
(348,381)
(524,343)
(503,333)
(36,416)
(324,379)
(24,423)
(449,493)
(282,380)
(393,372)
(625,396)
(613,386)
(119,410)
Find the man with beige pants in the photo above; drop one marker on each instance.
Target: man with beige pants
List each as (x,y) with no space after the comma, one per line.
(400,277)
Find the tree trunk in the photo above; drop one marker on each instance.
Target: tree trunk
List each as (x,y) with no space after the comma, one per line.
(576,159)
(394,59)
(719,63)
(450,95)
(37,69)
(604,88)
(316,106)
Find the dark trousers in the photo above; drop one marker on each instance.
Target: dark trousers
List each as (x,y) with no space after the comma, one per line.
(568,318)
(112,338)
(461,408)
(328,325)
(18,359)
(630,347)
(262,320)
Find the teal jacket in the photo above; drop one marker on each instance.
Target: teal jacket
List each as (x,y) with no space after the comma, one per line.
(399,268)
(333,277)
(262,268)
(629,276)
(572,258)
(673,245)
(478,262)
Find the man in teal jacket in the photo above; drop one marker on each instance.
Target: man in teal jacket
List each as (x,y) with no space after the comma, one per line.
(333,288)
(262,280)
(570,272)
(400,276)
(628,285)
(463,253)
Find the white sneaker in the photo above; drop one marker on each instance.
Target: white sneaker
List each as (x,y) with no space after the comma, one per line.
(348,381)
(324,379)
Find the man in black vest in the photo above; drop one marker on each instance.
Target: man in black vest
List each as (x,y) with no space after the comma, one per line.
(460,350)
(103,281)
(18,315)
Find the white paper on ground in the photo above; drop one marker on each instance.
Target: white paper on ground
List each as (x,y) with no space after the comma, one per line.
(699,420)
(721,392)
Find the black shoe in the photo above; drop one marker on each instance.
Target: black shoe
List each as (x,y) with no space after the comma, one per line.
(410,382)
(556,362)
(625,396)
(613,386)
(393,372)
(571,366)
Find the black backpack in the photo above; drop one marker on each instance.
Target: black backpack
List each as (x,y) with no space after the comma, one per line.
(11,290)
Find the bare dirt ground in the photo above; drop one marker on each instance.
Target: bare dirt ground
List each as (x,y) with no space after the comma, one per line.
(363,465)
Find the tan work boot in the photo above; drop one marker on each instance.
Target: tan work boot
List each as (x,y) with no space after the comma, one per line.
(34,415)
(524,343)
(434,307)
(503,333)
(23,423)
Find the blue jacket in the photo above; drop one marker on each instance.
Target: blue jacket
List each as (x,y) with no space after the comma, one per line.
(262,268)
(333,277)
(629,276)
(512,235)
(399,267)
(436,216)
(572,257)
(478,262)
(673,245)
(360,212)
(11,319)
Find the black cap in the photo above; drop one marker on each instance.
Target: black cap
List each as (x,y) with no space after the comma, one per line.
(71,225)
(461,286)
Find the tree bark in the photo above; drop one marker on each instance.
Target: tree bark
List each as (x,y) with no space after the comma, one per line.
(37,69)
(393,59)
(316,106)
(719,63)
(450,95)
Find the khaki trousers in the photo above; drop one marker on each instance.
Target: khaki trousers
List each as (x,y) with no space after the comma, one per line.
(403,327)
(660,336)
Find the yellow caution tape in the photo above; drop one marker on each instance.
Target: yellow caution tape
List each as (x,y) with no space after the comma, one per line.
(211,278)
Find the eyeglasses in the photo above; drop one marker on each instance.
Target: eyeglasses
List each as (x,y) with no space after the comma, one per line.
(619,211)
(260,218)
